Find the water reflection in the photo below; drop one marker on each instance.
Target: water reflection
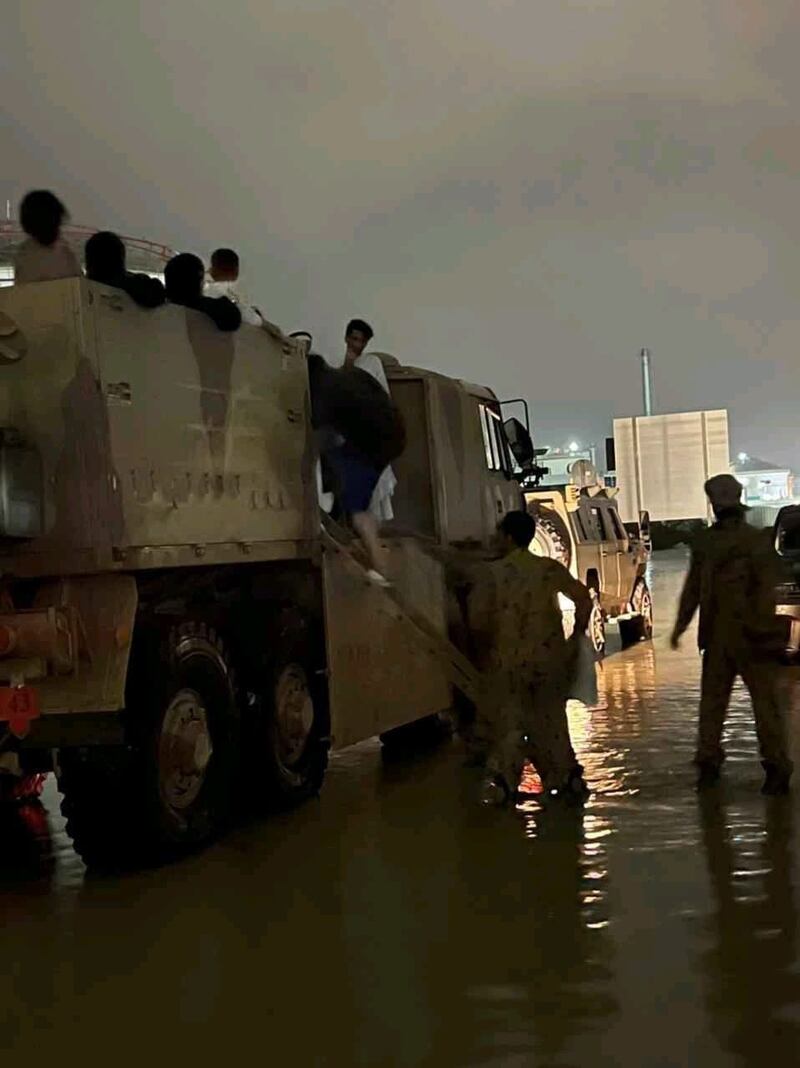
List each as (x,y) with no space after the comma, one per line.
(396,922)
(539,984)
(751,976)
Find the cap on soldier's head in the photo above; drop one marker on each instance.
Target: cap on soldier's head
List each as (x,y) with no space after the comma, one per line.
(724,491)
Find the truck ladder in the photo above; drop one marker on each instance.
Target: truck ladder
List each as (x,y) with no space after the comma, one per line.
(460,672)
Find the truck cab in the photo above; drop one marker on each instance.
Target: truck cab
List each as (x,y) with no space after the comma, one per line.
(456,477)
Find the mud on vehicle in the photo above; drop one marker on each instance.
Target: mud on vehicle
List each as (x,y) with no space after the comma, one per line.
(581,527)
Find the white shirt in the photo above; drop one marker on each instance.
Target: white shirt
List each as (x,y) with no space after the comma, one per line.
(229,290)
(381,503)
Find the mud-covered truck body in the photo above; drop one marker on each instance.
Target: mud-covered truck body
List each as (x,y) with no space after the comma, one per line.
(175,622)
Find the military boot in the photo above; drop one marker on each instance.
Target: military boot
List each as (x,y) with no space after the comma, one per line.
(776,781)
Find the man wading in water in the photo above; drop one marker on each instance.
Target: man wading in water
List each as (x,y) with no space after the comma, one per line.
(518,634)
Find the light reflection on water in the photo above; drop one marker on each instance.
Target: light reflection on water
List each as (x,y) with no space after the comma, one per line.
(396,922)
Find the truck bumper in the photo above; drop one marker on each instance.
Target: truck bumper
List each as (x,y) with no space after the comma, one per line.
(73,730)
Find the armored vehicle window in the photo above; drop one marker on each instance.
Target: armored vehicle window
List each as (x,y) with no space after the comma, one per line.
(590,524)
(619,529)
(487,437)
(493,440)
(604,529)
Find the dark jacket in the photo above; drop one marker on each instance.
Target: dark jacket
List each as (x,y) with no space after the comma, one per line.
(351,402)
(732,577)
(143,290)
(222,312)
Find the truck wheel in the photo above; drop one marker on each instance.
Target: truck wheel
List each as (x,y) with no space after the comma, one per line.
(640,628)
(171,788)
(552,537)
(289,728)
(597,627)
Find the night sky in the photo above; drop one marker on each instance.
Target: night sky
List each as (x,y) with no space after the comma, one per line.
(515,192)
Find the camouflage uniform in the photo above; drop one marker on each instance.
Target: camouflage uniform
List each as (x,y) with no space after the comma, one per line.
(732,579)
(518,634)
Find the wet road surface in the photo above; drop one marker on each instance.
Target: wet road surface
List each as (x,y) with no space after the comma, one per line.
(396,922)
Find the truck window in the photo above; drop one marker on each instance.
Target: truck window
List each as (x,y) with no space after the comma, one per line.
(600,517)
(588,524)
(493,440)
(486,430)
(619,529)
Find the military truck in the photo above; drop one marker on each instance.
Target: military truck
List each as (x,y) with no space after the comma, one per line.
(581,526)
(177,627)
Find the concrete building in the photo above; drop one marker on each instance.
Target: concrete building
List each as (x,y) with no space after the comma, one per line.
(764,482)
(662,462)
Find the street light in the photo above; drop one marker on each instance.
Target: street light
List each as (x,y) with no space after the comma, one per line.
(742,457)
(573,446)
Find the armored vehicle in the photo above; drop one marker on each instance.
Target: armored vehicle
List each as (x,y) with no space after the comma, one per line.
(176,626)
(581,526)
(787,542)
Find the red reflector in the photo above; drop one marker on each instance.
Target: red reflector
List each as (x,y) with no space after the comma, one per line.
(8,639)
(18,706)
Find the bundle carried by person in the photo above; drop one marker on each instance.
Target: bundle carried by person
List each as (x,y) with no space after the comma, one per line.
(351,402)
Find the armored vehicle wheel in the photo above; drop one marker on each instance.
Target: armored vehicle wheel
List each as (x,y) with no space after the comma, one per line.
(597,627)
(172,786)
(288,728)
(552,537)
(640,628)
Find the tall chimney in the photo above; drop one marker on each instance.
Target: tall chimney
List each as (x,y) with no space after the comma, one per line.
(647,382)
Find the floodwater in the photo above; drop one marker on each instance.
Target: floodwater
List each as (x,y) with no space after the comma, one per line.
(396,922)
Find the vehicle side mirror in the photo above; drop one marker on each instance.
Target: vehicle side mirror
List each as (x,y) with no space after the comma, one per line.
(520,443)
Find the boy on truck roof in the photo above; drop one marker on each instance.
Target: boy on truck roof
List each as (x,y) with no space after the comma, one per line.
(44,256)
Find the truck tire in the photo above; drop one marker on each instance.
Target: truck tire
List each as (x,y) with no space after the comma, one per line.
(640,628)
(289,727)
(597,627)
(552,537)
(171,787)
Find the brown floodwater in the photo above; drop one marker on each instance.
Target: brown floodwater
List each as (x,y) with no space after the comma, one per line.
(396,922)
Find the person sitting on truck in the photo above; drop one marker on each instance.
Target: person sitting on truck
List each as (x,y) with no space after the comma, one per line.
(357,336)
(223,282)
(44,256)
(518,638)
(183,277)
(361,432)
(104,255)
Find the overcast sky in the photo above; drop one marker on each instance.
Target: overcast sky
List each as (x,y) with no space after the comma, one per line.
(519,193)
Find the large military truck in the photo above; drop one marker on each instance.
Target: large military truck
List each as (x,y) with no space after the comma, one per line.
(175,623)
(581,526)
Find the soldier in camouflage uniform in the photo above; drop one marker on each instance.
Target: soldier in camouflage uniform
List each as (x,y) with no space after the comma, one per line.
(518,635)
(732,578)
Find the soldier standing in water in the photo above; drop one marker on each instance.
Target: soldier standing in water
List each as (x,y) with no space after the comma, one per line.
(732,579)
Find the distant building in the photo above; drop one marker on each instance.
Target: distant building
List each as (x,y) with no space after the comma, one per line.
(662,462)
(559,463)
(763,482)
